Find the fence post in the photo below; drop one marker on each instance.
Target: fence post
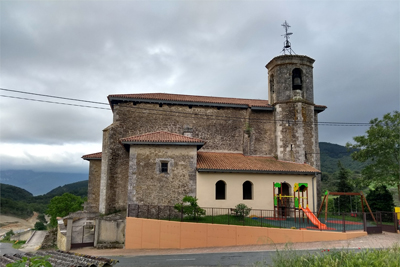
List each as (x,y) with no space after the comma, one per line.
(229,215)
(138,206)
(212,215)
(344,223)
(261,218)
(148,210)
(365,221)
(169,213)
(158,212)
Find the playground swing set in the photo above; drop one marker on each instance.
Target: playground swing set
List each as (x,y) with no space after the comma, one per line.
(362,197)
(283,203)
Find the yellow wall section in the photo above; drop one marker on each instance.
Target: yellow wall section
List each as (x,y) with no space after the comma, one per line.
(262,189)
(148,233)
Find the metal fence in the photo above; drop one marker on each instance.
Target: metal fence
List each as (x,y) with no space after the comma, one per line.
(282,218)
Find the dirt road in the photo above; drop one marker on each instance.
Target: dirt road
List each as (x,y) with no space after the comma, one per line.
(8,223)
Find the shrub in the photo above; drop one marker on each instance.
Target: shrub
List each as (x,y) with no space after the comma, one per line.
(40,226)
(189,207)
(242,210)
(8,235)
(42,218)
(31,262)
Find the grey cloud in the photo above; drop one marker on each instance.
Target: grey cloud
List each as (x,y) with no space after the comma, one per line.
(88,50)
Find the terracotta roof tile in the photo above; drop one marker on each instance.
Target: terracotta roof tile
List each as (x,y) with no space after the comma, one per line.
(238,162)
(92,156)
(161,137)
(194,98)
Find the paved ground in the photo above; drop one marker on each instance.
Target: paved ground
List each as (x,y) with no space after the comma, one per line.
(6,248)
(34,242)
(370,241)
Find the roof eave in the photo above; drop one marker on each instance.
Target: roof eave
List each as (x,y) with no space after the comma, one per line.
(258,171)
(176,102)
(89,159)
(128,144)
(319,109)
(271,108)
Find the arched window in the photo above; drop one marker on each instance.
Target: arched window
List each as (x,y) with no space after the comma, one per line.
(297,80)
(247,190)
(220,189)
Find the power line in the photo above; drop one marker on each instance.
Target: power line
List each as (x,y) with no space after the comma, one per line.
(215,117)
(52,96)
(52,102)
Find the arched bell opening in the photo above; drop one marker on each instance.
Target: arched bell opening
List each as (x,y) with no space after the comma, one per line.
(297,80)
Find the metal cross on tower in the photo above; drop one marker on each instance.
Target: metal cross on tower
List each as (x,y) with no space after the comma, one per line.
(287,46)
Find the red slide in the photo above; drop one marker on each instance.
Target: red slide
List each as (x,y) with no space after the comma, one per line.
(313,219)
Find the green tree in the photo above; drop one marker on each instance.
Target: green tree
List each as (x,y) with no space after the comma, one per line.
(61,206)
(380,199)
(189,207)
(42,218)
(381,148)
(344,185)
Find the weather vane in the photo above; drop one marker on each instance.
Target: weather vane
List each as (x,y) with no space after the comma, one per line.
(287,45)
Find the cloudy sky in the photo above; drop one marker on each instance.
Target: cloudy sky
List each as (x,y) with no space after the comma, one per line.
(90,49)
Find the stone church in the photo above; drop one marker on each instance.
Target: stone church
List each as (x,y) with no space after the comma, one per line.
(225,151)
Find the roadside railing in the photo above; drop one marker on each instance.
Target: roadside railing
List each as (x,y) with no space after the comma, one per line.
(282,218)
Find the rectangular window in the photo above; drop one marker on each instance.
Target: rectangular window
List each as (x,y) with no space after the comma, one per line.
(164,167)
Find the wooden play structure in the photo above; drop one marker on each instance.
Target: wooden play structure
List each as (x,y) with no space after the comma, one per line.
(289,205)
(326,197)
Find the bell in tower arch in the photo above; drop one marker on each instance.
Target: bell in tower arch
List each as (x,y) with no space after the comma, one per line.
(296,82)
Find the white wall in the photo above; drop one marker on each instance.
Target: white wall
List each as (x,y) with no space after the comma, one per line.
(262,189)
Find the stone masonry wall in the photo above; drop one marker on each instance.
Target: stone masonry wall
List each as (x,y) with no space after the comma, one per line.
(149,186)
(222,129)
(94,185)
(280,68)
(295,133)
(263,140)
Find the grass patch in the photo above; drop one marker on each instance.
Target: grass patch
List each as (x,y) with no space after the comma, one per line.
(326,257)
(18,244)
(226,219)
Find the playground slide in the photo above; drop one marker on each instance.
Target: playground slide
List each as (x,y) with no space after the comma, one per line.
(313,219)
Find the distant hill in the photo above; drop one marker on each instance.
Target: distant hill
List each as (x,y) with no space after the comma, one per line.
(332,153)
(78,189)
(21,203)
(39,183)
(14,192)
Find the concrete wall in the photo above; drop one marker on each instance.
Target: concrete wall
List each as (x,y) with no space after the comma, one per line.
(22,235)
(109,233)
(262,189)
(154,234)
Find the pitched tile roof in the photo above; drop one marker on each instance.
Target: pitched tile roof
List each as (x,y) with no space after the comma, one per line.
(161,137)
(61,258)
(159,97)
(236,162)
(92,156)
